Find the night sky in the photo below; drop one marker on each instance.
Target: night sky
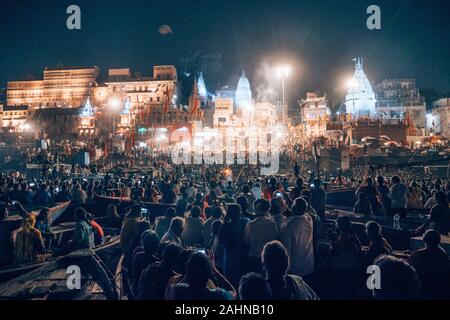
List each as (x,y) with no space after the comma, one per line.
(319,38)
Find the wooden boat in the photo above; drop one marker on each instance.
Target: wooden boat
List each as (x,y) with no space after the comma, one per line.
(106,250)
(55,212)
(50,281)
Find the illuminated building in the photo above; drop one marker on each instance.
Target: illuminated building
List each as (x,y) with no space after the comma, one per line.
(315,111)
(397,96)
(360,99)
(87,120)
(126,119)
(15,118)
(60,87)
(438,120)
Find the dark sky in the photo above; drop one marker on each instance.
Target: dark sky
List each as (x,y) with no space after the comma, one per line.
(319,38)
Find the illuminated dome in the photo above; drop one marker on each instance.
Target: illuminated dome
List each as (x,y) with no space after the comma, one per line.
(87,110)
(360,99)
(243,92)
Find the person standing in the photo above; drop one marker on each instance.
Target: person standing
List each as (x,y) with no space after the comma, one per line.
(398,194)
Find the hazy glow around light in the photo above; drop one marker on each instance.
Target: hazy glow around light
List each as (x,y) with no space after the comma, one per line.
(284,71)
(114,103)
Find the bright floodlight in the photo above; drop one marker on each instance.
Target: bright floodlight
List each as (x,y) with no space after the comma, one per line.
(284,71)
(114,103)
(350,83)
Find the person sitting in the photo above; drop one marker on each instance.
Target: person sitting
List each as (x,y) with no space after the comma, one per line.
(231,237)
(63,195)
(346,259)
(162,223)
(142,259)
(83,237)
(258,232)
(114,220)
(43,225)
(199,270)
(398,280)
(298,239)
(254,287)
(28,242)
(43,196)
(284,286)
(130,227)
(154,278)
(78,196)
(439,219)
(173,235)
(362,206)
(192,235)
(433,267)
(378,245)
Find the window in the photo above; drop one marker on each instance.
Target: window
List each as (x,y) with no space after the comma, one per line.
(222,119)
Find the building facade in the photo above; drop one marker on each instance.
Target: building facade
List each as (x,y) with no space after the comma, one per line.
(396,97)
(438,120)
(315,114)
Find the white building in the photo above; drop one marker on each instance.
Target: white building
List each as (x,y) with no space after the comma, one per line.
(360,99)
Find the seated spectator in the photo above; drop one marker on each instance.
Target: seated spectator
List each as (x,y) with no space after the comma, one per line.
(378,245)
(362,206)
(162,224)
(259,232)
(398,280)
(199,270)
(283,286)
(43,225)
(83,237)
(254,287)
(28,242)
(142,259)
(130,227)
(25,195)
(154,279)
(297,238)
(99,234)
(433,267)
(78,196)
(43,196)
(173,235)
(192,235)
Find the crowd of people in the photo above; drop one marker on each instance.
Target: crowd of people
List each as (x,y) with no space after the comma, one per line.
(245,238)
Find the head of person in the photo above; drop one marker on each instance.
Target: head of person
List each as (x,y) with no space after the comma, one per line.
(243,202)
(441,198)
(432,239)
(28,222)
(170,254)
(380,180)
(245,189)
(299,207)
(198,270)
(198,197)
(183,259)
(262,207)
(276,206)
(44,214)
(299,182)
(275,260)
(398,280)
(150,242)
(373,230)
(233,211)
(143,226)
(369,182)
(135,212)
(170,213)
(177,225)
(80,214)
(253,287)
(196,212)
(217,212)
(395,179)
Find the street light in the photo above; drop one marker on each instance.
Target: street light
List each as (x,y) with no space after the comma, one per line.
(283,72)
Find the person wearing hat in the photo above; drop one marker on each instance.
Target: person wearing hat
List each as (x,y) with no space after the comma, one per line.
(259,232)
